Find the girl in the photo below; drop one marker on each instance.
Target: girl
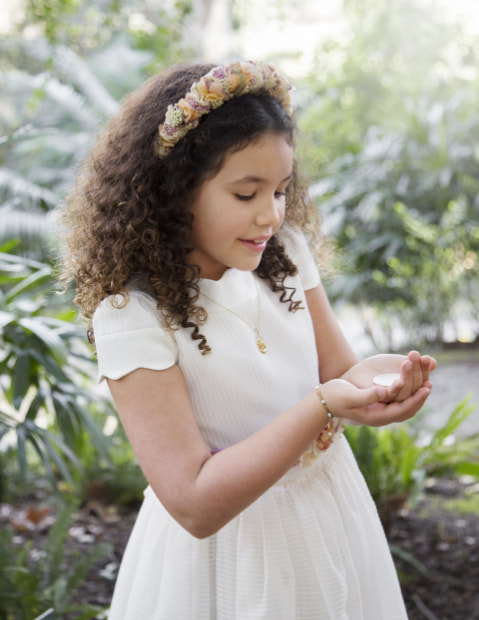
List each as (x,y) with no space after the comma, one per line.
(213,332)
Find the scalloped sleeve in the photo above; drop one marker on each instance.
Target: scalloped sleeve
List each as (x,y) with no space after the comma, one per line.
(299,252)
(131,337)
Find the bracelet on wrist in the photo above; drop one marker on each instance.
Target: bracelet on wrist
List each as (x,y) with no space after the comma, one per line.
(319,393)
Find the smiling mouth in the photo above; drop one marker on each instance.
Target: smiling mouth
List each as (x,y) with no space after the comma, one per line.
(257,245)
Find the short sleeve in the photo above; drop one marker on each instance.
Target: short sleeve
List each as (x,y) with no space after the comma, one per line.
(298,250)
(131,337)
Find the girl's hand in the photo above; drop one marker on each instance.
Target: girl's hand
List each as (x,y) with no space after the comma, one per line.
(413,371)
(414,374)
(370,406)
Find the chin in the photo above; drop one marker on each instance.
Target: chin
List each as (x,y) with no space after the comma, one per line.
(248,265)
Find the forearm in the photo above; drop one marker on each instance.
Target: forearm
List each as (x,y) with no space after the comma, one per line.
(230,480)
(203,491)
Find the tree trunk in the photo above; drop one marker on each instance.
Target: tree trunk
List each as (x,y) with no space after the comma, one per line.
(212,30)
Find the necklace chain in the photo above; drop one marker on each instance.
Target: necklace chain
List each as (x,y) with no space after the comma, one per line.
(260,343)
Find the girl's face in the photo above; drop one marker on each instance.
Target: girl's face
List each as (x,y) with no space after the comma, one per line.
(237,211)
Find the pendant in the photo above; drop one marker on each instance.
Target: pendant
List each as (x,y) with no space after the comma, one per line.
(260,343)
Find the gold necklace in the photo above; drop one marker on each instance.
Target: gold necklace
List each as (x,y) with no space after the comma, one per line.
(260,343)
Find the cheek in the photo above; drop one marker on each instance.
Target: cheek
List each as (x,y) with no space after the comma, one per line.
(223,221)
(211,232)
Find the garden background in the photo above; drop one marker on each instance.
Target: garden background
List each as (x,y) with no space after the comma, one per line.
(387,104)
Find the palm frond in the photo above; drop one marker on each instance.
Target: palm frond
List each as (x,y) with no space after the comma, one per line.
(30,194)
(80,74)
(27,226)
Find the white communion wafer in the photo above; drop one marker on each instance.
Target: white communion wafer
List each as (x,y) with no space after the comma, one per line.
(386,379)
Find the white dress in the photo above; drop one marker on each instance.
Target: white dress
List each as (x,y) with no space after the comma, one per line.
(312,547)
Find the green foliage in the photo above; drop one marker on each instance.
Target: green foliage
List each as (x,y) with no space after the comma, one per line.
(409,559)
(390,131)
(53,106)
(29,586)
(389,460)
(117,480)
(442,457)
(395,462)
(44,369)
(409,223)
(57,93)
(85,27)
(468,505)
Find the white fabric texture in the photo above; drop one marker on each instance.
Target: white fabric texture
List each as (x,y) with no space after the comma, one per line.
(312,547)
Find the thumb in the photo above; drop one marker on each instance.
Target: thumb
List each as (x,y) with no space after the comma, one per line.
(374,395)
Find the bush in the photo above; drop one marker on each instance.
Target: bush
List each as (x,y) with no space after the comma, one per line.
(46,373)
(32,585)
(396,464)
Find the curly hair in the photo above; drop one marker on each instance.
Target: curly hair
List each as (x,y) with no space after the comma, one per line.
(129,217)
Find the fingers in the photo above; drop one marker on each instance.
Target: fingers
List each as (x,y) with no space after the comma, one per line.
(414,374)
(379,406)
(416,371)
(404,387)
(344,398)
(406,409)
(383,414)
(394,391)
(428,364)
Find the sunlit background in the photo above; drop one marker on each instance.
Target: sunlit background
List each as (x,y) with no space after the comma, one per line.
(386,98)
(387,104)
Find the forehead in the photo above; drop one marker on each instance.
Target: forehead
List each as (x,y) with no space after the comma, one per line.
(269,157)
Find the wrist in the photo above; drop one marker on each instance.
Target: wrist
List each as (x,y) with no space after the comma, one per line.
(324,405)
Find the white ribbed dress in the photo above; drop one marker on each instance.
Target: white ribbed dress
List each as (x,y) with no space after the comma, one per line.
(312,547)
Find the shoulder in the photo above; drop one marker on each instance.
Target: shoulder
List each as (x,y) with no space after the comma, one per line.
(293,239)
(298,250)
(135,310)
(129,334)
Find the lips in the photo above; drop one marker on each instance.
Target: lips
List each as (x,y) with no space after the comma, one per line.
(255,245)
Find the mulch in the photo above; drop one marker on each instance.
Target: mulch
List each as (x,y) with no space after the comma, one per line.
(440,579)
(436,551)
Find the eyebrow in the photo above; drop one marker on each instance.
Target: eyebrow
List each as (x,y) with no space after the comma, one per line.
(251,178)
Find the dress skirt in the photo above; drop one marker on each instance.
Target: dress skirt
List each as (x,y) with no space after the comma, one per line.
(311,548)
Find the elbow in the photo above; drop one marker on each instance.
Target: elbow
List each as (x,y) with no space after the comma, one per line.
(202,521)
(196,521)
(199,526)
(201,514)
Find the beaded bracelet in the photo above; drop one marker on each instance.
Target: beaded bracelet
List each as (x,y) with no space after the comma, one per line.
(323,402)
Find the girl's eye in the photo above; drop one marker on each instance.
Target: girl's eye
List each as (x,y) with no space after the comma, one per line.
(280,194)
(244,197)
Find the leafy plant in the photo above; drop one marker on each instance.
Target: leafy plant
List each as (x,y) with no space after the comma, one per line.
(395,463)
(440,456)
(54,103)
(29,586)
(406,225)
(117,480)
(45,369)
(390,127)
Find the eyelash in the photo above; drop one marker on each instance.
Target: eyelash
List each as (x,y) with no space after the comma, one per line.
(245,198)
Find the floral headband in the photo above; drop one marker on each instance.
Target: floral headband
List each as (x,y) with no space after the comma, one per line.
(215,88)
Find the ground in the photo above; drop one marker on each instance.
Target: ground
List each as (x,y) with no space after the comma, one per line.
(445,585)
(435,548)
(435,545)
(441,544)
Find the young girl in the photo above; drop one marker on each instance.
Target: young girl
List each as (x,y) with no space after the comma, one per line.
(225,362)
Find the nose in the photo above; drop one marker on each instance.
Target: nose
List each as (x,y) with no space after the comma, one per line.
(270,211)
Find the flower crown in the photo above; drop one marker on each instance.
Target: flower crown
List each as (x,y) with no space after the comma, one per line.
(215,88)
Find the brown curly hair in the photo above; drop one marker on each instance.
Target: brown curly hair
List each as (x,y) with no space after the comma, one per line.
(129,217)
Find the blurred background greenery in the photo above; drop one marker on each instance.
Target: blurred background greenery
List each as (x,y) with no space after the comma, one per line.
(387,104)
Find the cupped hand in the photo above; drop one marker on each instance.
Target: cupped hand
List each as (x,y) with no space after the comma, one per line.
(370,405)
(413,371)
